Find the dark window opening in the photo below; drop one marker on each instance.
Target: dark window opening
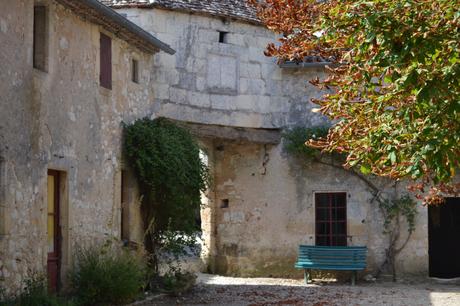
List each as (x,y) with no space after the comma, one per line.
(223,37)
(443,239)
(105,73)
(40,39)
(224,203)
(331,219)
(198,218)
(135,71)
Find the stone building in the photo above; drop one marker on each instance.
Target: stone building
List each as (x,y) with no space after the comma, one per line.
(264,202)
(60,136)
(70,73)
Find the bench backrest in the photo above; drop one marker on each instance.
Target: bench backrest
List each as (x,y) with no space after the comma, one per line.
(354,256)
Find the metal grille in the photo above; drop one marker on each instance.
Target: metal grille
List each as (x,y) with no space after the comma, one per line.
(331,219)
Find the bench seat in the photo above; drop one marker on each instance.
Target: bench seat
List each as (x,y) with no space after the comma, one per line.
(338,258)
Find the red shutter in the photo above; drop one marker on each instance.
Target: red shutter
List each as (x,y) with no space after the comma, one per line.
(105,76)
(40,43)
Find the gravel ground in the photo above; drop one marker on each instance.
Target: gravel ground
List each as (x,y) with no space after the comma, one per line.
(219,290)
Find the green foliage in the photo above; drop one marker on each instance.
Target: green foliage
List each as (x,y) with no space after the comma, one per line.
(295,140)
(104,276)
(3,296)
(395,89)
(35,293)
(393,209)
(171,175)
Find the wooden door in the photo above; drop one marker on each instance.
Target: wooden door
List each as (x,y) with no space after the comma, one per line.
(53,230)
(444,239)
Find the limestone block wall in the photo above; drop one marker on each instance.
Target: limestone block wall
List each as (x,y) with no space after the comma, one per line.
(18,191)
(63,120)
(230,83)
(271,203)
(271,211)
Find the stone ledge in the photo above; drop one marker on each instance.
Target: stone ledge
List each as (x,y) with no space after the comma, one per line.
(254,135)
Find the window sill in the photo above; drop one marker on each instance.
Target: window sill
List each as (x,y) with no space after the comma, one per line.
(105,91)
(38,73)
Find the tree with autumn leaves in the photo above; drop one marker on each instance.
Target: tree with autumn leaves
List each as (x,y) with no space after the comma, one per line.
(393,86)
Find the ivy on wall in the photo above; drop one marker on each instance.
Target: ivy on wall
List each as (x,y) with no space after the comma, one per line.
(295,138)
(171,177)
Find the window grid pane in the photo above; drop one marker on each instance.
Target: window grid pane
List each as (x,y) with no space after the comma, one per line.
(331,218)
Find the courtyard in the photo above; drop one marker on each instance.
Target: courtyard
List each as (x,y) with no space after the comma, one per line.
(220,290)
(254,138)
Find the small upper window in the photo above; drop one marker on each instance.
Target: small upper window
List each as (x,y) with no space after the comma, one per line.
(105,72)
(40,43)
(135,71)
(223,37)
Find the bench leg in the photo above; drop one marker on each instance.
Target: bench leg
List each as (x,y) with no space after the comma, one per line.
(353,278)
(307,275)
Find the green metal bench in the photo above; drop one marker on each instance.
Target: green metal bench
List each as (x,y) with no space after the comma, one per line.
(352,258)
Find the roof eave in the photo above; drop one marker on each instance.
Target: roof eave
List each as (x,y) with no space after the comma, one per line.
(127,30)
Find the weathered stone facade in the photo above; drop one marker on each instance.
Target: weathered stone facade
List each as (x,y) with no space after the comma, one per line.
(261,204)
(231,84)
(61,119)
(272,210)
(270,195)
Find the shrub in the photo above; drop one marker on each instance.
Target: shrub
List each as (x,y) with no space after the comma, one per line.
(171,176)
(174,282)
(103,276)
(3,296)
(35,293)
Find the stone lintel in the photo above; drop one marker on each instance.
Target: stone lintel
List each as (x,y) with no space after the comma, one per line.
(243,134)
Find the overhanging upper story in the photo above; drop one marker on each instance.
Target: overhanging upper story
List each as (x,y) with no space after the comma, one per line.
(220,75)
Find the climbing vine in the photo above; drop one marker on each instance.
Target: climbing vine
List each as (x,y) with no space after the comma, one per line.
(171,177)
(403,206)
(296,137)
(392,210)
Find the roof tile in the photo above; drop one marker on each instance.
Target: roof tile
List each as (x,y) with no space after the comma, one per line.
(239,9)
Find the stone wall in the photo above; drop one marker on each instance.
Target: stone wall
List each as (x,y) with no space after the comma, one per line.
(63,120)
(271,211)
(270,194)
(231,83)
